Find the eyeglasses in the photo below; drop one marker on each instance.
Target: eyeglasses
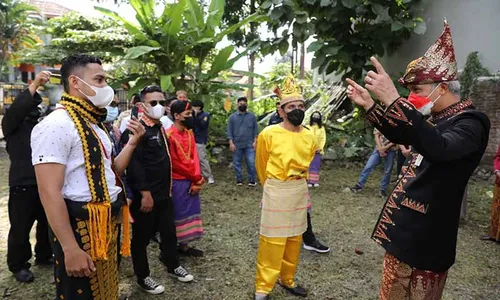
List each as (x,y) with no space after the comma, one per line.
(155,102)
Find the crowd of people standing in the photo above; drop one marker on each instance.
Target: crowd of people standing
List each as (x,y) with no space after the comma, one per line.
(102,184)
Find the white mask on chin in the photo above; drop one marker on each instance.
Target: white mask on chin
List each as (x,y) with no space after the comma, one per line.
(103,95)
(156,112)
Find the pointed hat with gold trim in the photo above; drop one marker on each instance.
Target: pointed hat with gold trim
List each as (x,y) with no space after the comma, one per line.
(437,65)
(289,91)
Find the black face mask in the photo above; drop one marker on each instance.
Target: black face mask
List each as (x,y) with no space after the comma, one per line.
(316,120)
(242,108)
(296,116)
(188,122)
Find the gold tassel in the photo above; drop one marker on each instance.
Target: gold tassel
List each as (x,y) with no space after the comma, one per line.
(99,229)
(125,248)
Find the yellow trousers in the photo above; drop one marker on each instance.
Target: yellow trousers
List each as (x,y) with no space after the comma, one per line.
(277,257)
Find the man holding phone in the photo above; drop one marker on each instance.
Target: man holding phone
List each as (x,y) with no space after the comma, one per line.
(24,202)
(149,177)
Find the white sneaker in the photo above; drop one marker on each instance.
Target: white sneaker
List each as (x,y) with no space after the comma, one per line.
(151,286)
(309,185)
(181,274)
(211,180)
(316,185)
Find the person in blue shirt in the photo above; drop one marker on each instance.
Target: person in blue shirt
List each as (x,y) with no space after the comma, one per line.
(242,131)
(201,123)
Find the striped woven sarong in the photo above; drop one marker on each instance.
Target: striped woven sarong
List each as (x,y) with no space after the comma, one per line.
(187,212)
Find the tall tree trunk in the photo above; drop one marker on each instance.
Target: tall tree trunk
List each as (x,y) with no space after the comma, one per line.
(302,60)
(251,67)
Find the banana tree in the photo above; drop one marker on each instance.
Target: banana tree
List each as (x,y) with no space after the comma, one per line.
(182,30)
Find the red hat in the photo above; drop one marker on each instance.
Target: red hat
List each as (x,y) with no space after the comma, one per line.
(437,65)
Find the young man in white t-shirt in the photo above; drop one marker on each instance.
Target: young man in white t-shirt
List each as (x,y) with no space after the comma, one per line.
(77,181)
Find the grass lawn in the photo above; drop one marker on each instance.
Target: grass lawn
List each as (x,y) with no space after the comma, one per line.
(342,220)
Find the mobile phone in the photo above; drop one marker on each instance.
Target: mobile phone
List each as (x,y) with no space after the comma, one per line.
(135,112)
(55,78)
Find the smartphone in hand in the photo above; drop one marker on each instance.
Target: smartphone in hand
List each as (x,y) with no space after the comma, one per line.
(55,79)
(134,113)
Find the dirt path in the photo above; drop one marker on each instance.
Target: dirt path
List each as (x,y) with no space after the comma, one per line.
(344,221)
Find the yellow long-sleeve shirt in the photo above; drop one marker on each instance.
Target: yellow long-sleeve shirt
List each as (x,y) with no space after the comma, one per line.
(320,134)
(283,154)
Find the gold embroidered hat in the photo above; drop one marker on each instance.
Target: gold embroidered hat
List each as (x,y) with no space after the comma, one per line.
(437,65)
(290,91)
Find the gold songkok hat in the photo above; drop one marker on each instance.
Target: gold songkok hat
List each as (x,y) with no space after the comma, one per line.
(289,91)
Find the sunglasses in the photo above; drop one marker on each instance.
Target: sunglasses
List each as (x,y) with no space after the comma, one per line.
(155,102)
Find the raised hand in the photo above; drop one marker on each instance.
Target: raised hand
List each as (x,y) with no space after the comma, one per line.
(359,95)
(380,84)
(40,79)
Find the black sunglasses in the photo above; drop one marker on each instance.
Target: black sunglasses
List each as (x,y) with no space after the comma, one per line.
(161,102)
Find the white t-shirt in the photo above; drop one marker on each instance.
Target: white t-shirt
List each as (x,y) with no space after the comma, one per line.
(166,122)
(56,140)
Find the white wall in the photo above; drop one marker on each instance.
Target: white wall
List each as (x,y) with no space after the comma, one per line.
(475,26)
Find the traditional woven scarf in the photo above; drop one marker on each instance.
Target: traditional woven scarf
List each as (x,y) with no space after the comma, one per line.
(99,208)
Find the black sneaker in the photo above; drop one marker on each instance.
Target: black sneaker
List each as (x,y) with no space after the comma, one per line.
(24,275)
(356,189)
(239,183)
(151,286)
(317,247)
(383,194)
(181,274)
(252,183)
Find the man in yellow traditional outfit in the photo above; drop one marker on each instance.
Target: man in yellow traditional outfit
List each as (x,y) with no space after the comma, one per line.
(284,153)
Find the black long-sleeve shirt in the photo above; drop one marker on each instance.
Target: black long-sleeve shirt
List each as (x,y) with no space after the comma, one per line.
(17,124)
(419,221)
(149,167)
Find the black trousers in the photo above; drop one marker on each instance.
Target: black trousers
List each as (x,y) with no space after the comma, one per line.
(24,208)
(308,237)
(143,228)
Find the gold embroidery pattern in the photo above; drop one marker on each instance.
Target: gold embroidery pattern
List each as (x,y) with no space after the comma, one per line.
(104,281)
(375,115)
(187,156)
(451,110)
(396,112)
(379,234)
(415,205)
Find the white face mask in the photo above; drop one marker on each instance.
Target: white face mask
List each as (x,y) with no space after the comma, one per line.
(156,112)
(103,95)
(427,108)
